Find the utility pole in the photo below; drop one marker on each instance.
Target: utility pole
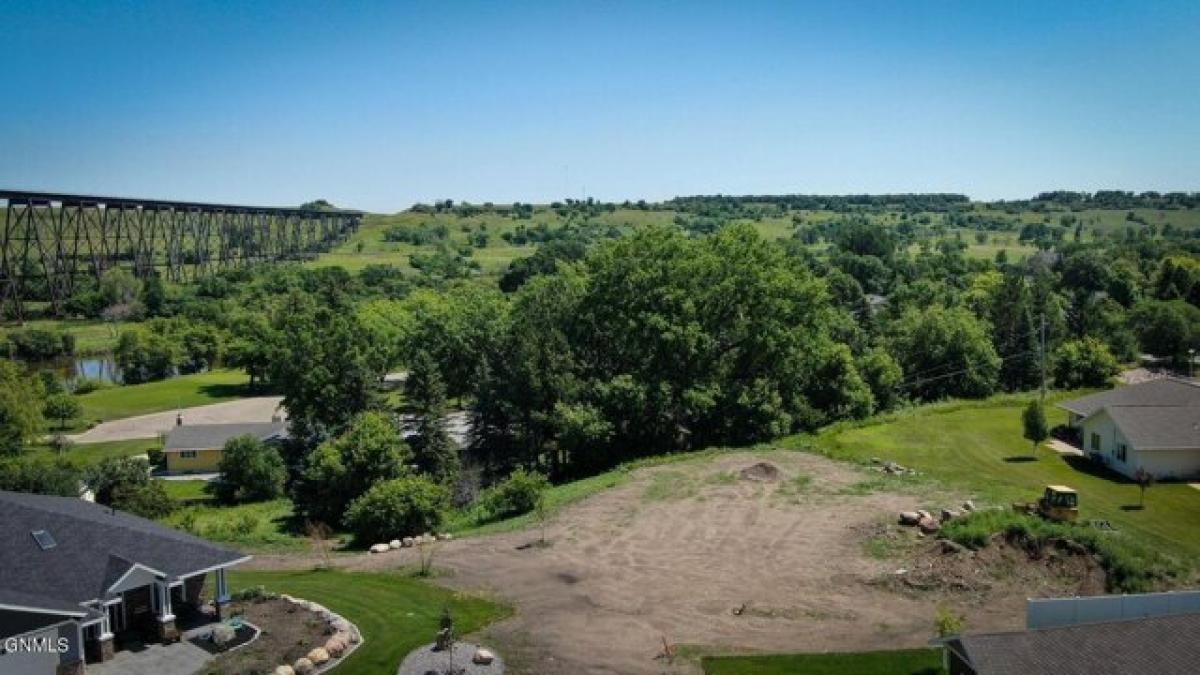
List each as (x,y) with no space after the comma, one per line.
(1043,351)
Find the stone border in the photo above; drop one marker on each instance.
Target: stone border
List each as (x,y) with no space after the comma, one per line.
(342,629)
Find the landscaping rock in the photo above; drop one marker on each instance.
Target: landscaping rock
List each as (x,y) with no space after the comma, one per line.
(335,647)
(222,635)
(762,472)
(284,670)
(968,505)
(483,657)
(355,636)
(924,514)
(380,548)
(406,542)
(318,656)
(928,525)
(950,514)
(909,518)
(302,666)
(443,537)
(394,544)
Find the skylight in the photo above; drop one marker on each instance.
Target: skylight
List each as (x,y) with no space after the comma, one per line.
(44,540)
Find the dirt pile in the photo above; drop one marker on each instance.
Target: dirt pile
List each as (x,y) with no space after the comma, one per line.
(1059,567)
(764,472)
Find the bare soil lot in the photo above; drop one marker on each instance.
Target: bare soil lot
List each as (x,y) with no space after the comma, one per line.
(720,553)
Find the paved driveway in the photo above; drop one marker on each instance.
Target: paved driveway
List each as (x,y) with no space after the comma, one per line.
(181,658)
(254,409)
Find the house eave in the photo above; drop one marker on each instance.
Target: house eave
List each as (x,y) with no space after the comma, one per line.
(41,610)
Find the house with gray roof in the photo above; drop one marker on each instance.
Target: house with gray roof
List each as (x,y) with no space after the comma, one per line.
(1153,426)
(192,448)
(1162,645)
(78,579)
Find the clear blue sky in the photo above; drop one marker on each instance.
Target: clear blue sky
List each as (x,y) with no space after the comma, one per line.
(377,106)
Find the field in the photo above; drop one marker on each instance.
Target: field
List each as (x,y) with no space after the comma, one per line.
(901,662)
(91,336)
(395,613)
(978,447)
(178,392)
(91,453)
(257,526)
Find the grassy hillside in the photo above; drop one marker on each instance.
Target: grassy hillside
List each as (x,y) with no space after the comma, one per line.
(178,392)
(978,447)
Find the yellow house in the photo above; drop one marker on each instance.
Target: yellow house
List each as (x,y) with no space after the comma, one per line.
(197,448)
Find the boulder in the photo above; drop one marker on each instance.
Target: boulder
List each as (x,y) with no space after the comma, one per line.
(928,525)
(394,544)
(335,647)
(953,547)
(355,636)
(968,505)
(924,514)
(483,657)
(302,666)
(284,670)
(380,548)
(222,635)
(443,536)
(909,518)
(950,514)
(406,542)
(318,656)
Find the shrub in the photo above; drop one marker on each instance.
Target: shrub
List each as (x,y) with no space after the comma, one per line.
(61,407)
(35,343)
(516,495)
(393,508)
(250,471)
(109,474)
(1084,363)
(87,386)
(148,500)
(252,593)
(245,524)
(40,474)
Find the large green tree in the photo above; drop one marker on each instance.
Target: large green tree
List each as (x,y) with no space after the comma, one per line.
(435,452)
(21,405)
(371,450)
(945,353)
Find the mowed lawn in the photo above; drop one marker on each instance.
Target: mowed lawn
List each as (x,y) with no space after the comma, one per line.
(979,447)
(396,613)
(901,662)
(177,392)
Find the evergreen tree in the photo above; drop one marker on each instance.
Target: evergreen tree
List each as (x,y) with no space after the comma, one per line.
(1015,334)
(435,452)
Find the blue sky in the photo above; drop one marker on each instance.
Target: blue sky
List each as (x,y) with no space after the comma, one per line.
(377,106)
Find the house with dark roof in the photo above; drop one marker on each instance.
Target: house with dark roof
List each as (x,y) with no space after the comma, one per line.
(1153,426)
(1162,645)
(78,579)
(192,448)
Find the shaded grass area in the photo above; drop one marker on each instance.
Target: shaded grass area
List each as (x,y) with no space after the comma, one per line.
(178,392)
(266,526)
(900,662)
(975,445)
(395,613)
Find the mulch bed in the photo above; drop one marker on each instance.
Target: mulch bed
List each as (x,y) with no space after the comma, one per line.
(288,633)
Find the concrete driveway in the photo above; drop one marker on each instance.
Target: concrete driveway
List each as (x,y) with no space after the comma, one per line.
(181,658)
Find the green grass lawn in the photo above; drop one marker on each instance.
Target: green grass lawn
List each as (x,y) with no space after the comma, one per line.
(91,336)
(978,447)
(395,613)
(188,491)
(901,662)
(178,392)
(90,453)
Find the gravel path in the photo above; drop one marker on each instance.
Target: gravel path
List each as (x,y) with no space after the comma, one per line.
(255,409)
(423,660)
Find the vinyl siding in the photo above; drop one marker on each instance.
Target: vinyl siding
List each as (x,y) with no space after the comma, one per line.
(204,461)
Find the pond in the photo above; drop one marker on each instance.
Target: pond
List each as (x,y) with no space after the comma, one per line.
(72,369)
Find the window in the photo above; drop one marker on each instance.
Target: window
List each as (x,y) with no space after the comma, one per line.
(188,454)
(44,540)
(1121,451)
(1095,442)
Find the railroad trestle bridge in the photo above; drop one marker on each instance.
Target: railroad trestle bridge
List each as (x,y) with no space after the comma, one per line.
(49,242)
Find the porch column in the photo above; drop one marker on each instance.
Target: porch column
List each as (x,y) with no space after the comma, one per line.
(166,619)
(221,592)
(106,635)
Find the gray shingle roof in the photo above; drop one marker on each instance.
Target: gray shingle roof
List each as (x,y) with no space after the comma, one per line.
(1150,428)
(1165,392)
(93,544)
(208,436)
(1165,645)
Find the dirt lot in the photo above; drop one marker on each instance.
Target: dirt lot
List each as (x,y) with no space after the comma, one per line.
(801,559)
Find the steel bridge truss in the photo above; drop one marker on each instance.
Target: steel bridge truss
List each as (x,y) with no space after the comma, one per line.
(49,242)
